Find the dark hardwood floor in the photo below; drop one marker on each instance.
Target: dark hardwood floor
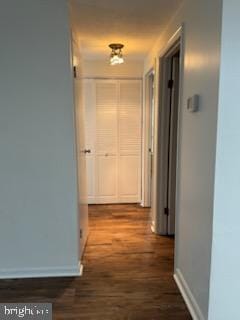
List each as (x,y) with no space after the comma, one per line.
(127,274)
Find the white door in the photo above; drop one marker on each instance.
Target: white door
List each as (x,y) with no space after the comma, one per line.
(148,140)
(81,157)
(113,116)
(90,127)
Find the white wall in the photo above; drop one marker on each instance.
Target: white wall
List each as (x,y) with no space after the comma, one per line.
(197,144)
(102,69)
(225,283)
(38,189)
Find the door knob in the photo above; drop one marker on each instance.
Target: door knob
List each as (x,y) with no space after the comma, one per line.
(87,151)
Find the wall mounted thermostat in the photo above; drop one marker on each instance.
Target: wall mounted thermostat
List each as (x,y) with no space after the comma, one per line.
(193,103)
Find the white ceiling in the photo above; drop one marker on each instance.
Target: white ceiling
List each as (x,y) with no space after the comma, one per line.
(135,23)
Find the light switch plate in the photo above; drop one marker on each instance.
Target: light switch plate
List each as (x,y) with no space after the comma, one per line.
(193,103)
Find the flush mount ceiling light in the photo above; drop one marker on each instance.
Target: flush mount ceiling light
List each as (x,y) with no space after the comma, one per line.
(116,56)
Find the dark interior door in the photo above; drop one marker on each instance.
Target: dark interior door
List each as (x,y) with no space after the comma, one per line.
(172,142)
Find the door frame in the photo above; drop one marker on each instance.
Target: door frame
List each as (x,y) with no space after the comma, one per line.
(159,218)
(146,162)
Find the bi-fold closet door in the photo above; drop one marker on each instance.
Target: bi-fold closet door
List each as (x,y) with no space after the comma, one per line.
(113,136)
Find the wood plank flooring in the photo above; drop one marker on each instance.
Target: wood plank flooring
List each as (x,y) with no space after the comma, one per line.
(127,274)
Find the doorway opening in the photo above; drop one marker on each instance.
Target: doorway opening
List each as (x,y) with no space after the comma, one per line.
(171,141)
(165,166)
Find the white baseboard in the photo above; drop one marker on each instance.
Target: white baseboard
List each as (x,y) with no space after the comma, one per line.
(80,269)
(188,297)
(145,205)
(42,272)
(153,227)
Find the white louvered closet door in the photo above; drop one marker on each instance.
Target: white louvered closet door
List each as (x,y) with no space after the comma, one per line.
(113,113)
(129,137)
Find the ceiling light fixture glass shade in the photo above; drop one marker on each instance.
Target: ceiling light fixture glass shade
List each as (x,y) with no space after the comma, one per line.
(116,56)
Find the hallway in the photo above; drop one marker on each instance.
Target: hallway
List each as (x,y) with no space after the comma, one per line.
(134,275)
(127,274)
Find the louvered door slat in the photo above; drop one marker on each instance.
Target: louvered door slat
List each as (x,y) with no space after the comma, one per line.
(129,129)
